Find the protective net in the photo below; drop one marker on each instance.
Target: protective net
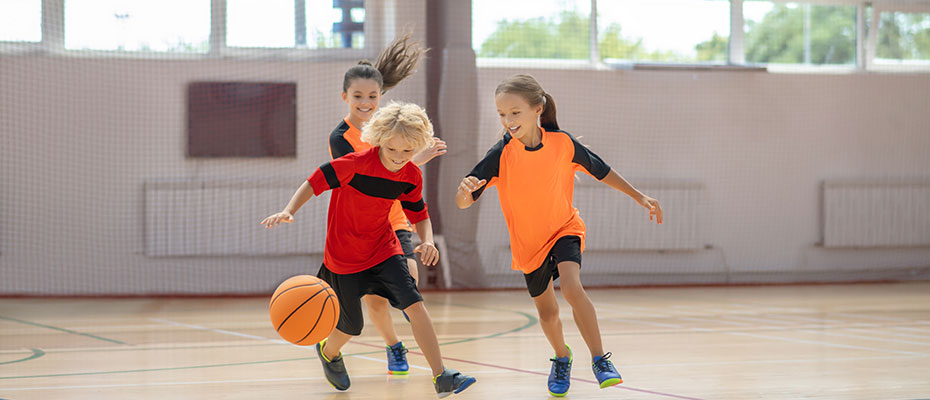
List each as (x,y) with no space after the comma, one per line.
(142,142)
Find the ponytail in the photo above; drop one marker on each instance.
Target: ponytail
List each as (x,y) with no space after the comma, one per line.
(395,63)
(547,119)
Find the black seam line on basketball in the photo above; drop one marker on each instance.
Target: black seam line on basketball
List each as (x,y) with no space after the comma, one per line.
(36,353)
(62,330)
(318,317)
(288,289)
(532,321)
(295,310)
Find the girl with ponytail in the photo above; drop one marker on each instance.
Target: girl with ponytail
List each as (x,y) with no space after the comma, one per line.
(533,166)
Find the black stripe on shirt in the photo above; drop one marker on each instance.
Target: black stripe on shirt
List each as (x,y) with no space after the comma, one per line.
(338,145)
(489,166)
(330,174)
(413,206)
(380,187)
(588,160)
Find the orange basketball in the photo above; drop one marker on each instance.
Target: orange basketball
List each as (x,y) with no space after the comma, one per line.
(304,310)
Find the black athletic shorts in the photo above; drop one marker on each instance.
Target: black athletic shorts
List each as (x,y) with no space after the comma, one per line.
(406,242)
(567,248)
(391,279)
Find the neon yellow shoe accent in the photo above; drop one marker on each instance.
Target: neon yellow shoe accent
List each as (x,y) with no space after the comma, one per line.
(611,382)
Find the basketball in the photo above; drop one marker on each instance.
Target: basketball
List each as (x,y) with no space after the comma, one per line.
(304,310)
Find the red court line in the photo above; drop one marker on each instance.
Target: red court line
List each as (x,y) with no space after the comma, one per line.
(545,374)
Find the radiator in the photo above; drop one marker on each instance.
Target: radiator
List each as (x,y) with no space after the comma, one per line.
(615,222)
(221,218)
(876,213)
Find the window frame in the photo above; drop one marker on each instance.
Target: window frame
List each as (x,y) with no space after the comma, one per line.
(52,42)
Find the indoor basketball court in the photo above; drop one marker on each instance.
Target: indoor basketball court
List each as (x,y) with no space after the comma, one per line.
(146,148)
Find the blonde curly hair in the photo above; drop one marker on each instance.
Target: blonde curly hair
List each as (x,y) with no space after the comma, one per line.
(397,118)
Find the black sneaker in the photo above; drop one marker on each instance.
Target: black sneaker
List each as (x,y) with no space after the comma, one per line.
(335,369)
(452,381)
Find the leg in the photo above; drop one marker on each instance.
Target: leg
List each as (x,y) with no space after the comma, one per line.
(379,313)
(445,381)
(582,308)
(414,270)
(548,308)
(332,346)
(425,335)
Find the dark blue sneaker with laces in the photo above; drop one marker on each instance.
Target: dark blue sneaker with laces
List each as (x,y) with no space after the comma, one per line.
(561,374)
(452,381)
(605,372)
(334,369)
(397,359)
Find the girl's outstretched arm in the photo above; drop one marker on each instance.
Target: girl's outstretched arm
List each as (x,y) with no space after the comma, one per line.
(463,197)
(304,193)
(437,149)
(614,180)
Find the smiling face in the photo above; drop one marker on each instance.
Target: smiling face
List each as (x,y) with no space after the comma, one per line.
(517,116)
(396,152)
(362,97)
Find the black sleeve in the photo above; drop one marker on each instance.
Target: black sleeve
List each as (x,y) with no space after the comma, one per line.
(339,146)
(489,167)
(588,160)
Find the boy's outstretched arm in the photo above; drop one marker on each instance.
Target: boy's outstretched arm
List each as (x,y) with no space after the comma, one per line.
(614,180)
(463,197)
(304,193)
(429,255)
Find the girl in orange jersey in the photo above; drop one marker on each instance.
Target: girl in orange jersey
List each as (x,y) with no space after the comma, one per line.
(533,167)
(362,88)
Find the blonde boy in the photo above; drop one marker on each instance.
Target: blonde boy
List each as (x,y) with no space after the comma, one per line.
(362,254)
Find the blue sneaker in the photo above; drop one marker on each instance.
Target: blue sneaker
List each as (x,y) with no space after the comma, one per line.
(605,372)
(397,359)
(561,374)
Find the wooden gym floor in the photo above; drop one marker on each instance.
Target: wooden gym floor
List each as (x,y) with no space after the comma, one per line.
(856,341)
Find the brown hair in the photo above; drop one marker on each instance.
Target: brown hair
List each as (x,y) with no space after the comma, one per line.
(525,86)
(398,61)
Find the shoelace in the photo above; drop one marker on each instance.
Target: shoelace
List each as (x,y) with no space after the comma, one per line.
(603,364)
(561,369)
(398,353)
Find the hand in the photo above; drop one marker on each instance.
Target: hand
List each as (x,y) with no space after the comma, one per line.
(429,255)
(274,219)
(653,206)
(437,149)
(471,184)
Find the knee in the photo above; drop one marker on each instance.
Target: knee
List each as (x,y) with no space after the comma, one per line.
(549,314)
(574,293)
(376,304)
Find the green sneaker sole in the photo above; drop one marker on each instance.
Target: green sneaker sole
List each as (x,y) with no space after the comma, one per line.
(398,372)
(611,382)
(558,394)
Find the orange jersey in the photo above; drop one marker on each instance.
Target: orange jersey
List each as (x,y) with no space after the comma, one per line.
(535,186)
(347,139)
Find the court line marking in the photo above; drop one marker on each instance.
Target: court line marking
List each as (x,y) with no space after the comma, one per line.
(36,353)
(531,320)
(63,330)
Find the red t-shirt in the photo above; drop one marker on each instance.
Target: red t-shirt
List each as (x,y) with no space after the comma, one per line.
(358,233)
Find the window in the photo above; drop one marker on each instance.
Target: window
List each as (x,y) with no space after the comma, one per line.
(903,37)
(277,24)
(21,21)
(664,30)
(553,29)
(799,33)
(181,26)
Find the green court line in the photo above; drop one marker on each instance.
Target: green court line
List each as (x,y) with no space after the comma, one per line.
(61,329)
(36,353)
(531,320)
